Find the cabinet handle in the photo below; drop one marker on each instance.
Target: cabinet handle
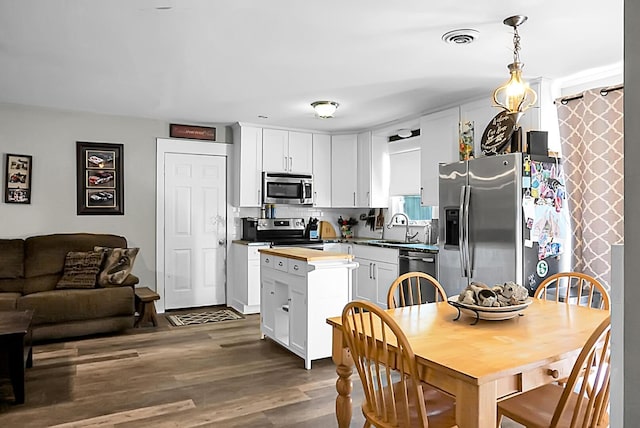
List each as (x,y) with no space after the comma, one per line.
(354,199)
(421,190)
(295,267)
(279,263)
(553,373)
(266,260)
(272,292)
(284,162)
(370,267)
(369,199)
(315,198)
(375,266)
(290,163)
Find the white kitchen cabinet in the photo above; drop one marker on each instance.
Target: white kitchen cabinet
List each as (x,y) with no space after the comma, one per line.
(438,144)
(338,247)
(244,281)
(299,295)
(377,269)
(373,171)
(344,173)
(287,151)
(321,170)
(247,161)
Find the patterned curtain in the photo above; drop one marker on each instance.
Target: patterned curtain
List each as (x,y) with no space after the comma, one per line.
(591,137)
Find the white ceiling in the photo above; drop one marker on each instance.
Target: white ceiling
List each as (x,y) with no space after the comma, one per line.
(206,61)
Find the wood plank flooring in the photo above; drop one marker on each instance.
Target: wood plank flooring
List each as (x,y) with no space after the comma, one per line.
(212,375)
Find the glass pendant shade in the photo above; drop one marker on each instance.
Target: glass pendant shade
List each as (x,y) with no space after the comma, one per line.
(325,109)
(515,96)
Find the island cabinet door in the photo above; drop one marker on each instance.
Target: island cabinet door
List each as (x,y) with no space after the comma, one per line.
(268,301)
(298,317)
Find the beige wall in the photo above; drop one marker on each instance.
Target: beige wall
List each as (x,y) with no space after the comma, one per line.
(50,137)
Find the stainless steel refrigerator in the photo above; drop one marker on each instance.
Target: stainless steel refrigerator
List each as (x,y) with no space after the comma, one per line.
(502,218)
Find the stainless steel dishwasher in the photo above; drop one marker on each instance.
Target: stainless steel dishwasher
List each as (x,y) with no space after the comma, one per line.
(419,261)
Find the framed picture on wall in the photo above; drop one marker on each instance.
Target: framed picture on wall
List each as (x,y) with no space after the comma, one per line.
(17,189)
(100,185)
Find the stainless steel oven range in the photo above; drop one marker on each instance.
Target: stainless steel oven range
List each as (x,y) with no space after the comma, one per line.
(280,232)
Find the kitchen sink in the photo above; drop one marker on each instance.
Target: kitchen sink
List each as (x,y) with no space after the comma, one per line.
(399,244)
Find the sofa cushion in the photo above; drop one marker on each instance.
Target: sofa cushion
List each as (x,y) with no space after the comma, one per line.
(45,255)
(9,301)
(81,269)
(9,285)
(117,265)
(59,306)
(11,258)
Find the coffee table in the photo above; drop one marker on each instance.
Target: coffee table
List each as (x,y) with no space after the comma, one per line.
(15,337)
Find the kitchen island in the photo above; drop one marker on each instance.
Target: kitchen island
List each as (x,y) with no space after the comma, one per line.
(299,289)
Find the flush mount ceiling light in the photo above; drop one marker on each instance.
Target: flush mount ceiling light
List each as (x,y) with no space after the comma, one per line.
(325,109)
(460,37)
(515,96)
(404,133)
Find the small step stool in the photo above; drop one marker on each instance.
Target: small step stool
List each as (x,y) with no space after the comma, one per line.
(145,306)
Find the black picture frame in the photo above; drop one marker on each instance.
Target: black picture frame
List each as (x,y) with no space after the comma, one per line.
(17,178)
(100,183)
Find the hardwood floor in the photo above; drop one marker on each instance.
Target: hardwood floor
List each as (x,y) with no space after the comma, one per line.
(212,375)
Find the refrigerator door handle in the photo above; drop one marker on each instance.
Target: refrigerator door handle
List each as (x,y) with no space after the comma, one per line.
(467,198)
(461,240)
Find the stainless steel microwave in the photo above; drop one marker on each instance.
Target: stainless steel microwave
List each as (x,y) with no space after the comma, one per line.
(291,189)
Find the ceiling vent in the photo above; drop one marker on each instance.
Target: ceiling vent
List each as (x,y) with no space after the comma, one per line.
(460,37)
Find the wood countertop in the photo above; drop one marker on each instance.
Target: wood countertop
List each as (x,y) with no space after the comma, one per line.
(306,254)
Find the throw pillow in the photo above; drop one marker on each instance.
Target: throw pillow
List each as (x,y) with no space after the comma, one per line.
(80,269)
(118,263)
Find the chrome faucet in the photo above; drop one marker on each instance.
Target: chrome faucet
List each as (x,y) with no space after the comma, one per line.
(407,235)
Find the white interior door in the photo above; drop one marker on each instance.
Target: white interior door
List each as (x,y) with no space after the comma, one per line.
(195,230)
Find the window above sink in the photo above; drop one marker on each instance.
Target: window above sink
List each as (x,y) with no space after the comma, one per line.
(410,206)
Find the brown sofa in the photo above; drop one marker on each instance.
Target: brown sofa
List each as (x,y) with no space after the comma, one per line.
(30,270)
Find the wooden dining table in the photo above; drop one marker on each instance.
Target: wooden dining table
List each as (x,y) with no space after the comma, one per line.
(482,363)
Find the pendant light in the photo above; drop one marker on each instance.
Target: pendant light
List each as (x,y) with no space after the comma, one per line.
(515,96)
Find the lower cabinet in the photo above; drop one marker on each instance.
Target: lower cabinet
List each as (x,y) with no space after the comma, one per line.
(244,279)
(297,297)
(377,269)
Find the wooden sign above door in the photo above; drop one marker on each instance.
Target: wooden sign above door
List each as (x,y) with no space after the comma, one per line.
(192,132)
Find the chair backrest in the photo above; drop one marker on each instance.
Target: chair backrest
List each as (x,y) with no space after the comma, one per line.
(377,346)
(574,288)
(586,393)
(414,288)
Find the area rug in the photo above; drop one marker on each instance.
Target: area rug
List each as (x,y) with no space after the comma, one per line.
(204,317)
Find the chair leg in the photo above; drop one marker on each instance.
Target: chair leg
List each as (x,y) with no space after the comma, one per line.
(367,424)
(499,419)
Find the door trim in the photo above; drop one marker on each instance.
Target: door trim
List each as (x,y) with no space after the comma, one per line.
(170,145)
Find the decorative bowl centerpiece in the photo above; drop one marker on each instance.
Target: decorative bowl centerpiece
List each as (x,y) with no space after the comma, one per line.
(501,302)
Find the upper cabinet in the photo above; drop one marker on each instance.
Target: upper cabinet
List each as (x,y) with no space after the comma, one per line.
(287,151)
(344,174)
(247,160)
(439,144)
(373,171)
(322,170)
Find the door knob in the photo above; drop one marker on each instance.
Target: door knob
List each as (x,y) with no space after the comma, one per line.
(221,241)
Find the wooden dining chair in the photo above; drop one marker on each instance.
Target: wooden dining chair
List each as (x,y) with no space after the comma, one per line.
(570,405)
(409,291)
(386,364)
(574,288)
